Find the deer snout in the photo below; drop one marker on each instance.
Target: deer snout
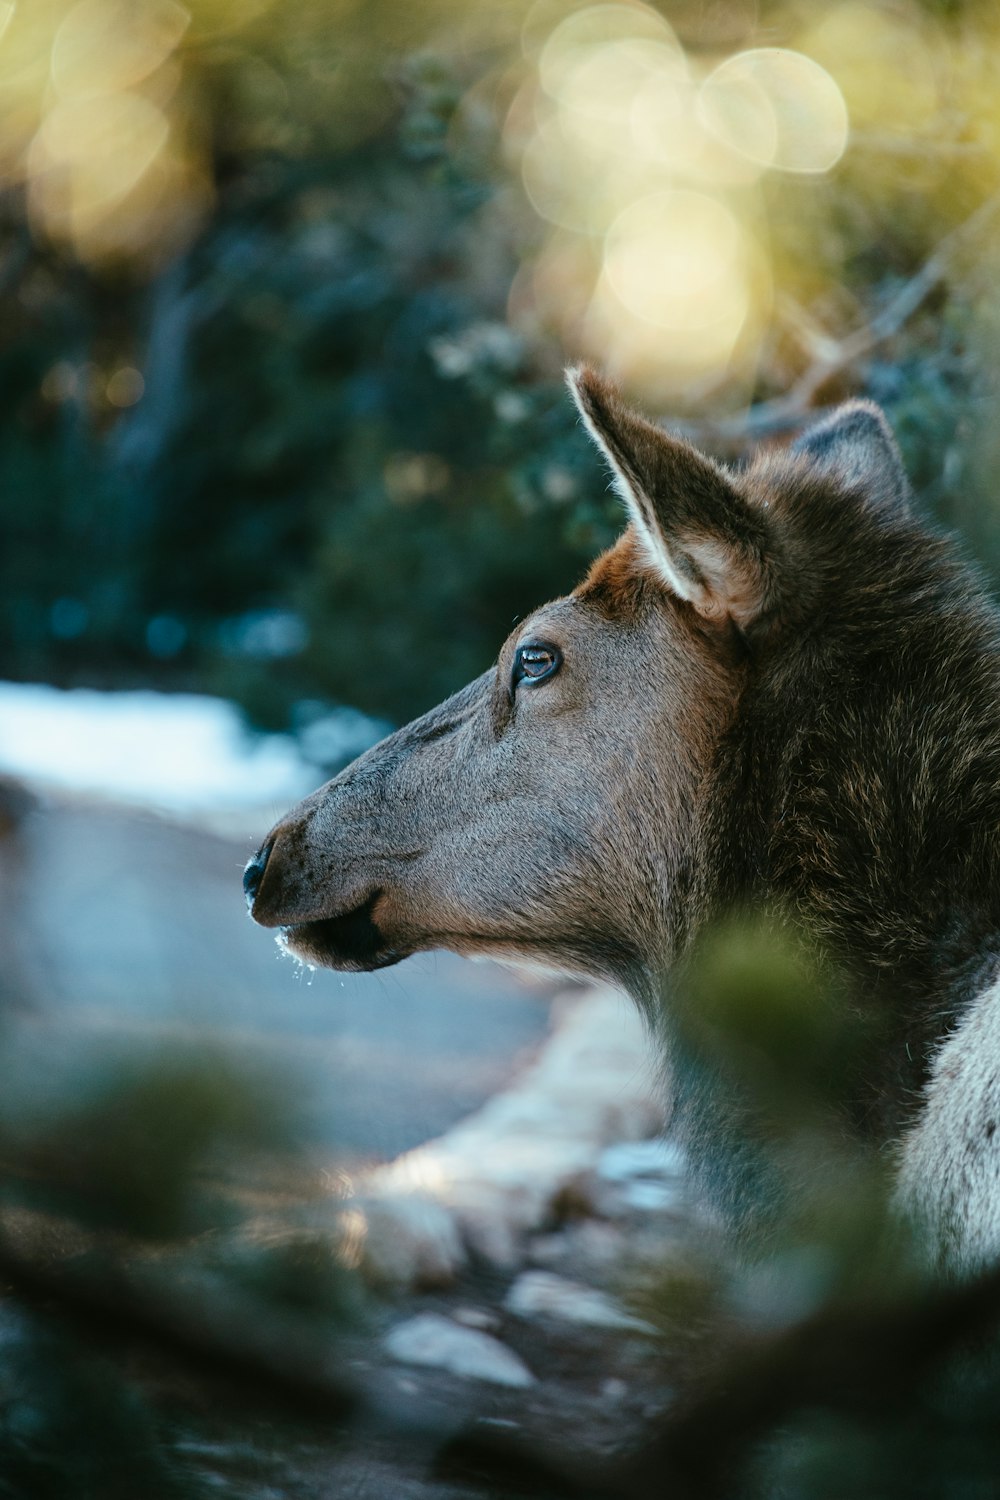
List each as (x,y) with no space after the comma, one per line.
(288,881)
(273,885)
(253,873)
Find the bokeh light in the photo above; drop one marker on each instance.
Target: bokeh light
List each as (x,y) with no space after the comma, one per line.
(778,108)
(891,65)
(666,172)
(655,157)
(662,152)
(103,46)
(676,259)
(93,125)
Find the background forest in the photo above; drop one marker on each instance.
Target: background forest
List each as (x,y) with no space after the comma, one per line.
(287,287)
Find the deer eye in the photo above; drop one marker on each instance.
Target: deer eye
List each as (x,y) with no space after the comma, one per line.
(535,661)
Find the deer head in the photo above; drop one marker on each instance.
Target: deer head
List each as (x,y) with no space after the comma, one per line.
(553,811)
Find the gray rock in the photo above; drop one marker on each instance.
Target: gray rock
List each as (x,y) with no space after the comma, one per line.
(649,1197)
(429,1339)
(640,1176)
(476,1317)
(589,1250)
(402,1239)
(541,1294)
(657,1158)
(502,1170)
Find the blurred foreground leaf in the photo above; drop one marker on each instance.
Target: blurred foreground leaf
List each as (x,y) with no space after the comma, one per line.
(148,1148)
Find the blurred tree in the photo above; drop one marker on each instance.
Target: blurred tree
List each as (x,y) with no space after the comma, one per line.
(283,408)
(313,404)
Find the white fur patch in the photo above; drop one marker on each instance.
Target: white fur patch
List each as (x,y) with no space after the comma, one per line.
(949,1177)
(639,509)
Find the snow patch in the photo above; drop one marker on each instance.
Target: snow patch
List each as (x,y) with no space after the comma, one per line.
(430,1339)
(176,753)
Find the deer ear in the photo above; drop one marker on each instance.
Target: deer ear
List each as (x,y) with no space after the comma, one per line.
(856,445)
(703,540)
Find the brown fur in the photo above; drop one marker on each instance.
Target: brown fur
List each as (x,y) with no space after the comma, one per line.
(778,687)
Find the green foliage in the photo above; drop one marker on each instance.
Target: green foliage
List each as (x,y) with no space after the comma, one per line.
(334,416)
(70,1425)
(163,1215)
(135,1148)
(337,419)
(774,1013)
(135,1213)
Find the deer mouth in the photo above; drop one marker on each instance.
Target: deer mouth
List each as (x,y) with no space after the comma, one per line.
(350,942)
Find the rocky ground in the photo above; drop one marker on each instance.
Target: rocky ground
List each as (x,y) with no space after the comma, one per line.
(501,1277)
(502,1300)
(518,1263)
(555,1360)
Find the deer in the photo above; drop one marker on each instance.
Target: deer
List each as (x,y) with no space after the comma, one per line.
(780,689)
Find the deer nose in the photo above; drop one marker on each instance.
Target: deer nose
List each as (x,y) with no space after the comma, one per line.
(253,874)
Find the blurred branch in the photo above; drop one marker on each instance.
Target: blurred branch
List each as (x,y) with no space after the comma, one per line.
(868,1361)
(180,1310)
(174,313)
(788,411)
